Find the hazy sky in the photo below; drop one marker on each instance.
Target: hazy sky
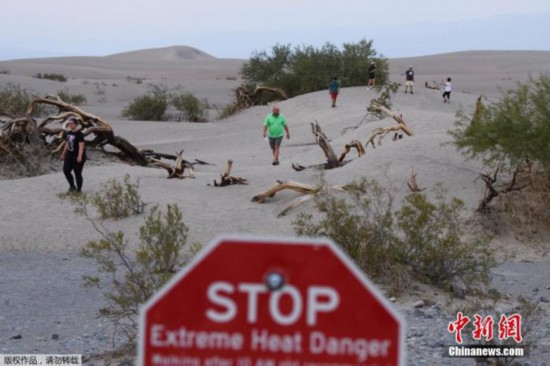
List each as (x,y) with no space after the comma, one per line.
(235,28)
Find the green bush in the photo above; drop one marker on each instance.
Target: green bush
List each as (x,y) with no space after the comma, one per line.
(422,240)
(513,134)
(433,245)
(229,110)
(149,107)
(511,130)
(134,275)
(192,108)
(51,76)
(306,69)
(118,200)
(75,99)
(14,100)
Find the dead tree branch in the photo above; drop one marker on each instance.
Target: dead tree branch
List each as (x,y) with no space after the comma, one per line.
(308,191)
(412,184)
(227,179)
(381,132)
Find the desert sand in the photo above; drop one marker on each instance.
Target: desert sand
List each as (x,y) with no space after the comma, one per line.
(40,236)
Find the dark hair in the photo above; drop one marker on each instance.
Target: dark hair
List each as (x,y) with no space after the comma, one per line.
(335,77)
(73,119)
(448,79)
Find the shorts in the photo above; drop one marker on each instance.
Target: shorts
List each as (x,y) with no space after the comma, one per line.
(333,95)
(409,83)
(275,141)
(372,75)
(447,94)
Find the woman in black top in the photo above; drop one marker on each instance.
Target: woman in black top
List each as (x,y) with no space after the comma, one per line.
(74,156)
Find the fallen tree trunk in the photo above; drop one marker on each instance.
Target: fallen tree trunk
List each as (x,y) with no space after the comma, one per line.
(18,132)
(307,190)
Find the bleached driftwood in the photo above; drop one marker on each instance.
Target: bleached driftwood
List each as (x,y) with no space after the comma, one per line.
(226,179)
(381,132)
(308,191)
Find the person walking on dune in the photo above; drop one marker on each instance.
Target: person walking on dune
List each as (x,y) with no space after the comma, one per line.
(74,156)
(275,124)
(334,90)
(447,93)
(409,79)
(372,75)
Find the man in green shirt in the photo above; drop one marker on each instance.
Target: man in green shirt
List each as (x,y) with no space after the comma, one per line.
(275,123)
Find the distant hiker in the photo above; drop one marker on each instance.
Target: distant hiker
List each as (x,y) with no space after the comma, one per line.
(74,156)
(276,124)
(372,75)
(409,79)
(447,93)
(333,90)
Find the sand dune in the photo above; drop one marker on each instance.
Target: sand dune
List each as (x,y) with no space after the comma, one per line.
(162,54)
(476,72)
(40,235)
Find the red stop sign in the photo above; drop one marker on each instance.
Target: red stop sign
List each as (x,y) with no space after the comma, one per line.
(265,301)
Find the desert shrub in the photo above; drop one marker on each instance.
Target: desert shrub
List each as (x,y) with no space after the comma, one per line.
(51,76)
(432,242)
(134,275)
(513,134)
(395,246)
(306,69)
(14,100)
(513,129)
(228,110)
(137,80)
(75,99)
(149,107)
(5,72)
(99,90)
(118,199)
(191,108)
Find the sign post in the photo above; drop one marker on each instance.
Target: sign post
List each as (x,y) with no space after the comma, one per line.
(246,301)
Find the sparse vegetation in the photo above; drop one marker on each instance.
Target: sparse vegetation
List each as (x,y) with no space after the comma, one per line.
(422,240)
(512,134)
(14,100)
(76,99)
(51,76)
(118,200)
(135,272)
(192,108)
(5,72)
(149,107)
(307,69)
(136,80)
(115,200)
(229,110)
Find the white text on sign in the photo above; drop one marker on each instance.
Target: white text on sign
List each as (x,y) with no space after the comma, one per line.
(318,299)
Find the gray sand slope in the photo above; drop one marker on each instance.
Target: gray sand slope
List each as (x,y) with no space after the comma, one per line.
(40,235)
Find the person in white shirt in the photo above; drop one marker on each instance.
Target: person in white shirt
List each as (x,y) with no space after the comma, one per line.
(447,93)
